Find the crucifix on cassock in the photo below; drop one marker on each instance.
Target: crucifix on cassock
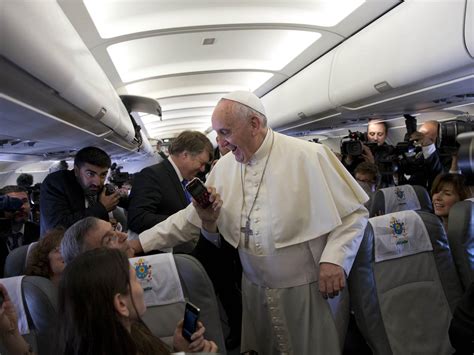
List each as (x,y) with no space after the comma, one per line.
(247,232)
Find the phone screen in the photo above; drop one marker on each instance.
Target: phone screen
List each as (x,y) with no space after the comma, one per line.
(191,316)
(199,192)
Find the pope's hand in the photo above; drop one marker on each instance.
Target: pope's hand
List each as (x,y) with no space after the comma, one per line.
(210,214)
(331,280)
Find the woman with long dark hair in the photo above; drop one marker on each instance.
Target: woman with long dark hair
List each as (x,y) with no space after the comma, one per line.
(100,305)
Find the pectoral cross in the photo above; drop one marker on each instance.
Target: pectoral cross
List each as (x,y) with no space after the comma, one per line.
(247,232)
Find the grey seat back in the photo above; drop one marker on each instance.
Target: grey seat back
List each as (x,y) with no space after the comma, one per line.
(198,289)
(40,302)
(404,304)
(378,207)
(15,263)
(461,239)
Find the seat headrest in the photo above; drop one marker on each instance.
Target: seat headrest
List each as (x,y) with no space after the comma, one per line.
(159,278)
(399,234)
(13,286)
(400,198)
(15,263)
(461,239)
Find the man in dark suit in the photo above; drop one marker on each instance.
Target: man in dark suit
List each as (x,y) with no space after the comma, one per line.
(69,195)
(15,228)
(158,191)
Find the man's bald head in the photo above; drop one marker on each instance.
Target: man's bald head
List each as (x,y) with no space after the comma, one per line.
(430,129)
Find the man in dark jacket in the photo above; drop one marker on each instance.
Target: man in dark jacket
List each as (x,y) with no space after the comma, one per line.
(15,228)
(70,195)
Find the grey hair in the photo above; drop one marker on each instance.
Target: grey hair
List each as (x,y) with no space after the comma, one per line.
(73,243)
(248,112)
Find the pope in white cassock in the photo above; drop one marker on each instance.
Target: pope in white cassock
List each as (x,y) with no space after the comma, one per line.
(297,218)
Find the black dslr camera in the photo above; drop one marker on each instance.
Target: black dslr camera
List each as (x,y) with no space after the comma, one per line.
(352,144)
(117,180)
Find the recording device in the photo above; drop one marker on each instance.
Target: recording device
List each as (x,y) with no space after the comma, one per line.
(2,298)
(352,144)
(117,177)
(449,131)
(465,155)
(403,157)
(10,204)
(116,181)
(191,316)
(199,192)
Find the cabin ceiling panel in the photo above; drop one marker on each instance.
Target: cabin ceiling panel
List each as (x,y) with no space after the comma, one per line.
(118,18)
(198,84)
(155,48)
(264,50)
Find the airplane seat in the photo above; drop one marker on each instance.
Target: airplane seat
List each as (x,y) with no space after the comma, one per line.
(403,284)
(400,198)
(197,288)
(15,263)
(461,239)
(36,299)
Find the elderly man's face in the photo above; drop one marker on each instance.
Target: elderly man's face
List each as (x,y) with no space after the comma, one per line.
(104,235)
(235,133)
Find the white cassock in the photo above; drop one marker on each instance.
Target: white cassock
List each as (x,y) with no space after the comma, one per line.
(308,210)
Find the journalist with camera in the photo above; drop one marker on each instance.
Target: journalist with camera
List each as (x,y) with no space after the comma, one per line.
(15,228)
(358,148)
(429,151)
(70,195)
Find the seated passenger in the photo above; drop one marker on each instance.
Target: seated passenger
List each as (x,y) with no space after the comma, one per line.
(446,191)
(368,177)
(45,259)
(91,233)
(100,308)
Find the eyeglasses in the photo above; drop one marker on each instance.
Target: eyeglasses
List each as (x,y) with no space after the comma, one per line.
(118,227)
(112,237)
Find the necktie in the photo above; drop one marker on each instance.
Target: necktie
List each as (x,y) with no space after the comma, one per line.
(15,240)
(186,193)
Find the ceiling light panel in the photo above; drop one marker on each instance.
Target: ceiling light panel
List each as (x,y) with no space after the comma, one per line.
(169,115)
(198,84)
(203,120)
(114,18)
(269,50)
(194,101)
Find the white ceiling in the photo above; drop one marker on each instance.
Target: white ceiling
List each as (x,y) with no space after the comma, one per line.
(154,48)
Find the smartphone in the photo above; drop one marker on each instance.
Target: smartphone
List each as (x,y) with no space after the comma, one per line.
(191,316)
(2,298)
(199,192)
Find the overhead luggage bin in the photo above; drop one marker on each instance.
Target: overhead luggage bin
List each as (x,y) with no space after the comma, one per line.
(302,95)
(39,39)
(414,43)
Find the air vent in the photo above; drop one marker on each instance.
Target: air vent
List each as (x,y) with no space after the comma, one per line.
(208,41)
